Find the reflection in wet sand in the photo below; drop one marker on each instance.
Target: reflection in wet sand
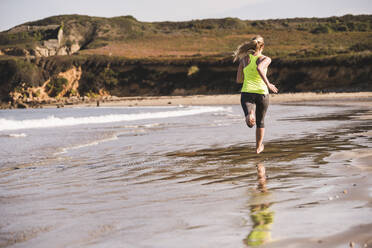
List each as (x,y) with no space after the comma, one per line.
(261,176)
(161,196)
(261,215)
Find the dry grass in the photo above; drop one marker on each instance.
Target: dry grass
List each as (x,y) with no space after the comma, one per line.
(294,38)
(278,43)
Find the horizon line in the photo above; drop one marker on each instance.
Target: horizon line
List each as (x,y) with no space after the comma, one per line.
(188,20)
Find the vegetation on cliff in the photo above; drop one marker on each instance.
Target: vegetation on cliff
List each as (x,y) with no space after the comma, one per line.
(125,57)
(128,37)
(103,75)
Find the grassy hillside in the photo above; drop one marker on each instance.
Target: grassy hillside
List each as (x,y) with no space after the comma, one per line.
(127,37)
(124,57)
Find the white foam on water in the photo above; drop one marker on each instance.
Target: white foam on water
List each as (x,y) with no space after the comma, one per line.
(150,125)
(93,143)
(17,135)
(52,121)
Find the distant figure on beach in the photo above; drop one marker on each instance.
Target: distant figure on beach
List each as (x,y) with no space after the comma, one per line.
(255,90)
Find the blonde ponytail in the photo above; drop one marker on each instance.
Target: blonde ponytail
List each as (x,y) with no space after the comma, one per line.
(248,47)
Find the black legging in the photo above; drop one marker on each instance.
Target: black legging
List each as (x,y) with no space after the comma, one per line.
(260,102)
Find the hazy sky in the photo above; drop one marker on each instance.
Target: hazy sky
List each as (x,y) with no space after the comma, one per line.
(15,12)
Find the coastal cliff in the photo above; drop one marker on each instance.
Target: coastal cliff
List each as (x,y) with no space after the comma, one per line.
(72,79)
(71,58)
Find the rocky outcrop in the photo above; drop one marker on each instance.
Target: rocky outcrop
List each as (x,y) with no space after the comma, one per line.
(51,47)
(14,51)
(53,41)
(62,45)
(41,94)
(73,77)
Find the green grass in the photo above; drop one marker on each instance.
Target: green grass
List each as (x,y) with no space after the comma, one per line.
(127,37)
(56,85)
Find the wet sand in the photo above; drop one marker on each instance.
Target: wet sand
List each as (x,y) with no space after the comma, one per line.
(319,193)
(312,190)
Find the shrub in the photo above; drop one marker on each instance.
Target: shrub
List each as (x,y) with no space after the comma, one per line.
(351,26)
(358,47)
(26,72)
(108,77)
(68,43)
(321,29)
(56,85)
(92,94)
(362,27)
(71,92)
(192,70)
(341,28)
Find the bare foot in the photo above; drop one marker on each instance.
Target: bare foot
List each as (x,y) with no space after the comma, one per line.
(260,149)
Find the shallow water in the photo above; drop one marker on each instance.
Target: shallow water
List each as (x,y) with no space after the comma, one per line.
(177,176)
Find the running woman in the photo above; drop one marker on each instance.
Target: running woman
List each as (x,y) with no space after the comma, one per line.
(255,90)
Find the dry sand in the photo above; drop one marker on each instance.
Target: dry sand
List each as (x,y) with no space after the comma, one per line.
(227,99)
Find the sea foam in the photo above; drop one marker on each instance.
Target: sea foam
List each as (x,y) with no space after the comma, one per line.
(52,121)
(93,143)
(14,135)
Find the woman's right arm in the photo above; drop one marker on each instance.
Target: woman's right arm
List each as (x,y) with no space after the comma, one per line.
(240,75)
(262,68)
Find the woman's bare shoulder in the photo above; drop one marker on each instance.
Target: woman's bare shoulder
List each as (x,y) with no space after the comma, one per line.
(265,58)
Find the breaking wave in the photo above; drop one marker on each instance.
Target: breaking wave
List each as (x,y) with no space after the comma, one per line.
(52,121)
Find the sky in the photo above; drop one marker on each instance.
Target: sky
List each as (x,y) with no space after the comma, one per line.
(15,12)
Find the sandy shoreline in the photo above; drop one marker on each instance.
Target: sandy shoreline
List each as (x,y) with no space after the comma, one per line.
(227,99)
(355,187)
(317,191)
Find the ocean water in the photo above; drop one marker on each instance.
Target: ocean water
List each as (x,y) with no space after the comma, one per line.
(120,135)
(172,176)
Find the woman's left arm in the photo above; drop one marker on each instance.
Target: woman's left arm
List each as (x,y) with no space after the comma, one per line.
(240,75)
(261,68)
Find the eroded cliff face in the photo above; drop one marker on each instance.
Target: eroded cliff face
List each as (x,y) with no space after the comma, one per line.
(72,76)
(218,77)
(335,74)
(66,78)
(44,92)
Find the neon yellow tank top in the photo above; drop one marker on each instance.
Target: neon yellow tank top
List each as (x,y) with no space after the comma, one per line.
(253,83)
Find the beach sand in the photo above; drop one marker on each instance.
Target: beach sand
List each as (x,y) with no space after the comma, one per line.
(225,99)
(316,190)
(357,236)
